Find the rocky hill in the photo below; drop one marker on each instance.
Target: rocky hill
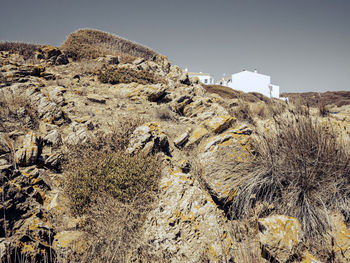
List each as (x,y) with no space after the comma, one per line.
(121,157)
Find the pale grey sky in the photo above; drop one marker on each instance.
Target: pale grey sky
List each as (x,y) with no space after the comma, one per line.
(304,45)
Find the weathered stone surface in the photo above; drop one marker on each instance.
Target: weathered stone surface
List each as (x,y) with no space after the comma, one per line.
(79,136)
(109,60)
(4,144)
(96,98)
(280,234)
(70,241)
(62,60)
(186,224)
(341,235)
(182,139)
(196,135)
(149,138)
(53,138)
(29,153)
(220,123)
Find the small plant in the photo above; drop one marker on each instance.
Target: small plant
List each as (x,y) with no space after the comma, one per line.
(115,75)
(301,168)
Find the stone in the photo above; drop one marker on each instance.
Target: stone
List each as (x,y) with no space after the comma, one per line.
(29,153)
(196,135)
(50,51)
(96,98)
(280,235)
(62,60)
(5,144)
(182,139)
(149,139)
(138,61)
(186,223)
(219,123)
(72,240)
(79,136)
(109,60)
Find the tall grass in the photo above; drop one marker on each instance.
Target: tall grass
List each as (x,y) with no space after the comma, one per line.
(302,169)
(27,50)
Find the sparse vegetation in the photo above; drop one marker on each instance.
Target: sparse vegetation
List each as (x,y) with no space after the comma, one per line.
(27,50)
(314,99)
(16,112)
(115,75)
(301,168)
(91,44)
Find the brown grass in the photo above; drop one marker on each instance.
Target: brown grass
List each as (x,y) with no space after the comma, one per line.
(91,44)
(16,112)
(302,169)
(27,50)
(115,75)
(314,99)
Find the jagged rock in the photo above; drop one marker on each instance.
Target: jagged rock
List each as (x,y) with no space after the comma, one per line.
(62,60)
(53,138)
(4,144)
(341,237)
(53,160)
(56,95)
(78,136)
(280,234)
(197,135)
(187,224)
(182,139)
(149,138)
(50,51)
(109,60)
(219,156)
(138,61)
(96,99)
(220,123)
(29,153)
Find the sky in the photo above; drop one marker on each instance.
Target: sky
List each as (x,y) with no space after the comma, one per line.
(304,45)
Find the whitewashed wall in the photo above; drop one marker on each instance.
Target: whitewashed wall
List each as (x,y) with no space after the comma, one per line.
(248,81)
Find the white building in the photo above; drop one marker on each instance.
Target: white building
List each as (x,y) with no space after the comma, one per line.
(248,81)
(205,78)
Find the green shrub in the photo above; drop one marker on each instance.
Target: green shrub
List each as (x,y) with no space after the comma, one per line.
(118,175)
(115,75)
(301,168)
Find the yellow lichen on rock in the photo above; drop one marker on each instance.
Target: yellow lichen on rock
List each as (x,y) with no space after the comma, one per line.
(219,123)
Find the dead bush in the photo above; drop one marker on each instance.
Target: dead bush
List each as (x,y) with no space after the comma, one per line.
(16,112)
(301,168)
(115,75)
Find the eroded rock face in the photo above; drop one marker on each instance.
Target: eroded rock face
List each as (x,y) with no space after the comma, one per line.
(280,235)
(149,138)
(30,151)
(187,224)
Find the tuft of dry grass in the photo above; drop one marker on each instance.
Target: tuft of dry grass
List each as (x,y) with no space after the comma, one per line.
(301,168)
(91,44)
(16,112)
(27,50)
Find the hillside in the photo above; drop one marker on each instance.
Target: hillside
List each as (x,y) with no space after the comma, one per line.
(116,155)
(90,44)
(314,99)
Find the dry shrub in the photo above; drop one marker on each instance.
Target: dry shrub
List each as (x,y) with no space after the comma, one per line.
(115,75)
(114,191)
(16,112)
(27,50)
(301,168)
(91,44)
